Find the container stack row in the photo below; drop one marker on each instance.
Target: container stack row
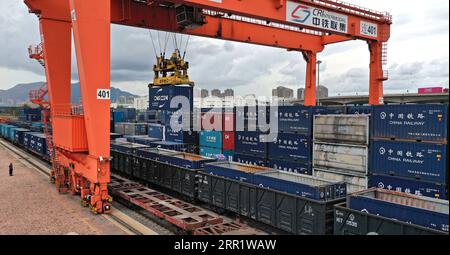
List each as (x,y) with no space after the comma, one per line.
(409,149)
(177,132)
(341,149)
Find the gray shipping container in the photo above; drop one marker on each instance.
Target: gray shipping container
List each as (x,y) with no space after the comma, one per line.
(352,158)
(354,181)
(119,128)
(350,129)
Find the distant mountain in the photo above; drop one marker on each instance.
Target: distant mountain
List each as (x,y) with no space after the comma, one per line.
(18,94)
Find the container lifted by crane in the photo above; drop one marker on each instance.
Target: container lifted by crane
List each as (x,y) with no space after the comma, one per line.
(306,26)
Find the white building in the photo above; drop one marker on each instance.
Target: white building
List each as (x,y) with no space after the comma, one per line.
(141,103)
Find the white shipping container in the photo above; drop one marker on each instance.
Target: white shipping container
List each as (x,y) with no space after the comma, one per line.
(341,156)
(353,129)
(354,181)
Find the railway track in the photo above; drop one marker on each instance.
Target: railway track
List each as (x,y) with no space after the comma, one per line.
(130,224)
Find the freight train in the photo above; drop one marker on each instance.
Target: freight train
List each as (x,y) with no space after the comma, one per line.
(291,202)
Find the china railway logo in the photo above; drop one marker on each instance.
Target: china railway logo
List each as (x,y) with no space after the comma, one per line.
(301,13)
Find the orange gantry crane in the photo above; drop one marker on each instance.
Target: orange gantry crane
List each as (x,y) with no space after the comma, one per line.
(82,138)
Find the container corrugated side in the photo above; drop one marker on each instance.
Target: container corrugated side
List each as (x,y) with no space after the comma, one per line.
(292,147)
(250,143)
(353,129)
(295,119)
(410,186)
(212,139)
(354,182)
(233,170)
(249,160)
(423,211)
(301,185)
(210,152)
(424,161)
(345,157)
(425,122)
(289,166)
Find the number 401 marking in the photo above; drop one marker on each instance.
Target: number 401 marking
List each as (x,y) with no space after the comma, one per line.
(103,94)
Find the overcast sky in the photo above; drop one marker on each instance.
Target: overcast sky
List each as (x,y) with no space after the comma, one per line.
(418,55)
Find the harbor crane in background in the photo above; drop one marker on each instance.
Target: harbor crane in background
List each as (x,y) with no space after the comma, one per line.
(81,138)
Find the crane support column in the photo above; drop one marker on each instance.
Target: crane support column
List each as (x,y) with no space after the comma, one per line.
(57,38)
(310,83)
(376,73)
(92,31)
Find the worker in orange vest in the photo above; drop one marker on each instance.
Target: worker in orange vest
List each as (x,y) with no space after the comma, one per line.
(11,168)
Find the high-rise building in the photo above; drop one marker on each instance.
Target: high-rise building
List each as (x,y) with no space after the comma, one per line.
(301,94)
(322,92)
(215,93)
(283,92)
(228,93)
(204,93)
(141,103)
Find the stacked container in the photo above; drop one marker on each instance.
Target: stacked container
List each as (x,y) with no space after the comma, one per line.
(250,148)
(341,149)
(30,114)
(291,149)
(126,128)
(217,124)
(210,143)
(409,149)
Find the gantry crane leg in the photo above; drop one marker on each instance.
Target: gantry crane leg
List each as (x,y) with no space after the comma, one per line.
(57,53)
(376,76)
(310,83)
(91,30)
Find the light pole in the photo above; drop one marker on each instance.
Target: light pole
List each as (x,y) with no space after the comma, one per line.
(318,80)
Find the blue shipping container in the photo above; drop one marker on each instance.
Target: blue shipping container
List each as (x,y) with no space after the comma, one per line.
(156,131)
(118,117)
(229,155)
(181,136)
(233,170)
(179,117)
(292,147)
(249,118)
(20,132)
(211,152)
(359,109)
(414,209)
(38,143)
(190,161)
(160,97)
(173,146)
(424,161)
(412,186)
(301,185)
(250,143)
(250,160)
(324,110)
(127,148)
(295,119)
(427,122)
(288,166)
(211,139)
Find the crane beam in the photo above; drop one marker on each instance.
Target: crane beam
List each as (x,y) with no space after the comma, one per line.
(317,15)
(130,13)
